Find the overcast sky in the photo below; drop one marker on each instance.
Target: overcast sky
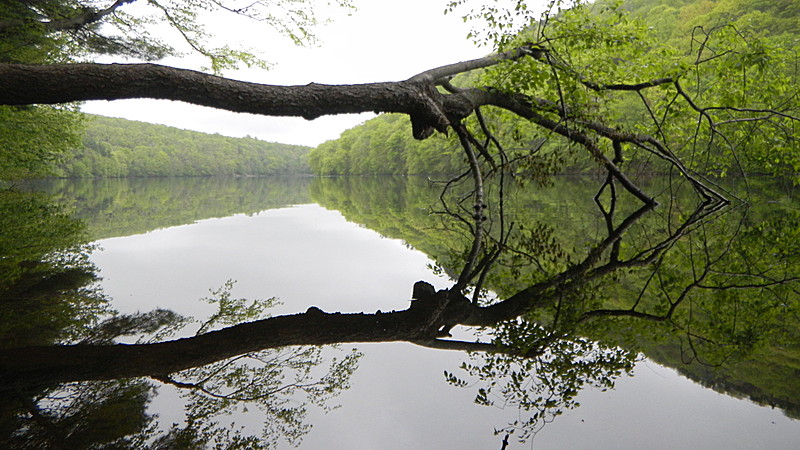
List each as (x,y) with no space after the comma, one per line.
(381,41)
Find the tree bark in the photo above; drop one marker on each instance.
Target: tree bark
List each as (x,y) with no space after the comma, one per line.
(22,84)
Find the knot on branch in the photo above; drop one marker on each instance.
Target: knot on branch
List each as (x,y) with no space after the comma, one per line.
(428,114)
(444,309)
(314,311)
(422,290)
(420,128)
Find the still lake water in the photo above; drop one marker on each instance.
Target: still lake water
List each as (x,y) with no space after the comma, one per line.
(166,243)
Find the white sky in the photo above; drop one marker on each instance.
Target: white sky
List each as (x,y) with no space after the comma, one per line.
(383,40)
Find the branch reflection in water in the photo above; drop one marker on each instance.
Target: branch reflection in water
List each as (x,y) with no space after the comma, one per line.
(581,288)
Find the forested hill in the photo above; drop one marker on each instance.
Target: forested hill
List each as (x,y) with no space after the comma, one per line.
(384,145)
(125,148)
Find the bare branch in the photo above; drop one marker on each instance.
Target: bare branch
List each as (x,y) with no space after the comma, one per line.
(478,207)
(444,72)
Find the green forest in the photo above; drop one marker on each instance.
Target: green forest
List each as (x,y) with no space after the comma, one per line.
(674,31)
(124,148)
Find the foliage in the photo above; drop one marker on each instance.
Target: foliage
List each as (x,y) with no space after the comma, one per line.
(384,146)
(640,67)
(47,297)
(124,148)
(109,414)
(279,383)
(33,138)
(231,311)
(760,17)
(150,325)
(77,29)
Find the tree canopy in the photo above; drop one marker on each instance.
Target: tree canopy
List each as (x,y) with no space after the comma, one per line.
(73,30)
(746,47)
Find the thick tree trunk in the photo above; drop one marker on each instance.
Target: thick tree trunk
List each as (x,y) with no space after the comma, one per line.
(27,84)
(22,84)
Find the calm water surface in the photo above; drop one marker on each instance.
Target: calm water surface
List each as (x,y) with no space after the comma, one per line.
(306,255)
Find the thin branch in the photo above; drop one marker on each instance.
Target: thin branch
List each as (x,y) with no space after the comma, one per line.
(444,72)
(628,87)
(483,347)
(478,207)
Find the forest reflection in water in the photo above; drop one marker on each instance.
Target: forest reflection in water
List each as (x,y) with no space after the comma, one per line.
(308,256)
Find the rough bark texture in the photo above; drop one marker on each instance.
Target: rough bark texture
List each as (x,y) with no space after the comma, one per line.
(22,84)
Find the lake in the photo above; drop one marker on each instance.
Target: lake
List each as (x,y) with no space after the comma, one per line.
(355,245)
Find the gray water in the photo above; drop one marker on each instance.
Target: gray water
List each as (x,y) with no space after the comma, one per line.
(306,255)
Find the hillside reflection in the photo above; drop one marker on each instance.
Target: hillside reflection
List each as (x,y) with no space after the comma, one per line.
(565,290)
(123,206)
(728,276)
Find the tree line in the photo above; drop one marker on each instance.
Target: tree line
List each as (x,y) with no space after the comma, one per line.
(124,148)
(111,207)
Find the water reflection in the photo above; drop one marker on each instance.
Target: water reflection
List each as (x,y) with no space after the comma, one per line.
(45,274)
(125,206)
(713,273)
(572,296)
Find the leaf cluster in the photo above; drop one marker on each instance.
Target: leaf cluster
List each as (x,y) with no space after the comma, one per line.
(546,381)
